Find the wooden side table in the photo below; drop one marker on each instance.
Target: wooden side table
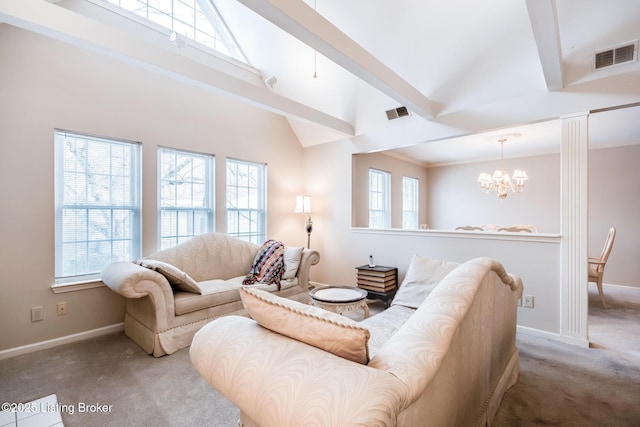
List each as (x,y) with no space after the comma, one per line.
(380,282)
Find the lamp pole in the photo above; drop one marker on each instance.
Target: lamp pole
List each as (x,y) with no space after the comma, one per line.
(309,229)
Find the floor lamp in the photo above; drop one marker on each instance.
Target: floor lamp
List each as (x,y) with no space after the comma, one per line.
(303,206)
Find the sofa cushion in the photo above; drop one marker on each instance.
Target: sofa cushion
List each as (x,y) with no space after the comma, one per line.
(268,264)
(384,324)
(320,328)
(422,277)
(214,292)
(291,261)
(178,279)
(218,292)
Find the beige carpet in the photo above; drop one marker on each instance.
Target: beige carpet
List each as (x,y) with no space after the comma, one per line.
(112,370)
(564,385)
(559,384)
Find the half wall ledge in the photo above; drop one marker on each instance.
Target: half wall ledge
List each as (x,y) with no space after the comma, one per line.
(463,234)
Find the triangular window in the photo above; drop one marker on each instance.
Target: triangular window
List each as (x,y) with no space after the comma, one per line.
(197,20)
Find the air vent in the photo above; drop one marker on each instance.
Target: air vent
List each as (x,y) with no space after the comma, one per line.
(396,113)
(616,55)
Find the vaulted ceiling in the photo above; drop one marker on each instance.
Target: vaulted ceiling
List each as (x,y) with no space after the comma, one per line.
(466,70)
(480,69)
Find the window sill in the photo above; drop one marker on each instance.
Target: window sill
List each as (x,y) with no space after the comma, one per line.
(60,288)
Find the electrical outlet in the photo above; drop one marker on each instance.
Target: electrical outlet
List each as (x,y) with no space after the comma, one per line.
(62,308)
(37,314)
(528,301)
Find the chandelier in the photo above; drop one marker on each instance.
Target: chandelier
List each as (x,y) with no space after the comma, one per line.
(501,182)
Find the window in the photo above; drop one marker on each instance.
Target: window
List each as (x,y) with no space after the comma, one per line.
(197,20)
(97,204)
(409,202)
(379,199)
(246,200)
(185,195)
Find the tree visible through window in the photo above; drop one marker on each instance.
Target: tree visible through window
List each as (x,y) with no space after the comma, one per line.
(185,192)
(379,199)
(97,204)
(246,200)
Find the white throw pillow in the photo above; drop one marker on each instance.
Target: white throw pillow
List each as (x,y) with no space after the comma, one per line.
(422,277)
(320,328)
(291,262)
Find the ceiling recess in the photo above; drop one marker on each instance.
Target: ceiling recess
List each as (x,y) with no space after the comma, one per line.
(396,113)
(627,52)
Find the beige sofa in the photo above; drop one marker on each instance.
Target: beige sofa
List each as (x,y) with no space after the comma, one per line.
(163,319)
(446,363)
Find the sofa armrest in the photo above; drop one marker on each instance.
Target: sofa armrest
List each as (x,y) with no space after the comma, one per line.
(134,281)
(309,257)
(283,382)
(467,325)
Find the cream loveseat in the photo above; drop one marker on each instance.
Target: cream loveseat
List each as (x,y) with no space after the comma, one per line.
(446,363)
(162,318)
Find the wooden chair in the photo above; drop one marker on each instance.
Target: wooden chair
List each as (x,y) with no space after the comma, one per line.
(490,227)
(596,265)
(469,228)
(529,227)
(517,228)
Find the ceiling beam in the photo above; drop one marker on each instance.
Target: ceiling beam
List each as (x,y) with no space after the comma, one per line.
(42,17)
(544,22)
(305,24)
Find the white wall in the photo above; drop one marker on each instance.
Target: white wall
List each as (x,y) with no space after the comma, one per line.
(455,198)
(534,258)
(453,186)
(342,248)
(614,183)
(614,200)
(45,84)
(398,169)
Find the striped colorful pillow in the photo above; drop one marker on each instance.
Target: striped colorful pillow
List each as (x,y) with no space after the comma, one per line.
(268,265)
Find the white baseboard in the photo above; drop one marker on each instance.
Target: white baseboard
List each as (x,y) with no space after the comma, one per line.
(538,333)
(30,348)
(553,336)
(625,287)
(574,341)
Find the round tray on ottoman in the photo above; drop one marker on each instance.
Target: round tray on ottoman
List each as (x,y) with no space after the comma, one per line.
(339,299)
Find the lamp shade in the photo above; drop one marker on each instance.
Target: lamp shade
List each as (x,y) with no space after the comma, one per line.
(303,204)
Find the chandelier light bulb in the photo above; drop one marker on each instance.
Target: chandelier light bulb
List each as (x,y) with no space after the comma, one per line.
(501,182)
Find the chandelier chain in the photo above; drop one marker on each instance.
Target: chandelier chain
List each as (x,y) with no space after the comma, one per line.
(315,52)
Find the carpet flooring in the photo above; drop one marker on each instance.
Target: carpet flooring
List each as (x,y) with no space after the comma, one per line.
(109,381)
(565,385)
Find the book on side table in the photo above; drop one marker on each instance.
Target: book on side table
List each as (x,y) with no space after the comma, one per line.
(379,281)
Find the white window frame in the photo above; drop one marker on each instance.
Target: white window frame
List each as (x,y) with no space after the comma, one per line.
(89,194)
(186,202)
(179,26)
(246,200)
(379,199)
(410,199)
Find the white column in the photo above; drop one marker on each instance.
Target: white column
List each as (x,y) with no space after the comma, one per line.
(574,206)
